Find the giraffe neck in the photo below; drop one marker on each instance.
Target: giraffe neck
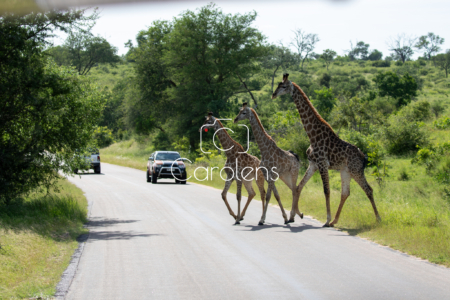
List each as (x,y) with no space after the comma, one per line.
(312,122)
(263,140)
(226,141)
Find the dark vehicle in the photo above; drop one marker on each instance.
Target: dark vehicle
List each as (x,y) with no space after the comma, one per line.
(164,164)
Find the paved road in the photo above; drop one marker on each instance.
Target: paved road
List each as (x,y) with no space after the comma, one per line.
(169,241)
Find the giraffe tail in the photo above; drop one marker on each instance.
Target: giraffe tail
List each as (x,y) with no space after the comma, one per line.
(365,157)
(295,154)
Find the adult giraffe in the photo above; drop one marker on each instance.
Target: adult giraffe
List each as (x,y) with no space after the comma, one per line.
(327,151)
(275,163)
(239,166)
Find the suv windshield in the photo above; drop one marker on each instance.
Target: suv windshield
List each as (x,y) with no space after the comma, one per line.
(167,156)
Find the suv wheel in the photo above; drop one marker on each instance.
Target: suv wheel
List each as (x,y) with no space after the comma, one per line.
(97,170)
(148,176)
(154,179)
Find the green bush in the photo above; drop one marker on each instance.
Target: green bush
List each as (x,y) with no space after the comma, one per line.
(401,136)
(103,136)
(381,64)
(324,101)
(416,111)
(161,141)
(442,123)
(438,106)
(297,141)
(358,139)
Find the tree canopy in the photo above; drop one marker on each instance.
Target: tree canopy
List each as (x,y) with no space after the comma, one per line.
(46,112)
(193,64)
(402,88)
(443,61)
(429,44)
(328,56)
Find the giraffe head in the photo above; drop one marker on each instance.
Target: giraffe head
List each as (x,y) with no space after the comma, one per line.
(209,121)
(284,87)
(243,114)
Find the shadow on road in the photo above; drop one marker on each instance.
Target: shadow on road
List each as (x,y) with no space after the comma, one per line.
(117,235)
(95,235)
(97,222)
(294,229)
(79,173)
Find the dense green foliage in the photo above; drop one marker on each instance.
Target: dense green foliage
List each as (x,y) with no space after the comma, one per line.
(83,50)
(401,88)
(46,112)
(195,63)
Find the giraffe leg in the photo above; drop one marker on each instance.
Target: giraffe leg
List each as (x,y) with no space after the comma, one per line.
(345,192)
(295,196)
(288,180)
(361,180)
(224,194)
(268,195)
(312,168)
(262,191)
(251,194)
(277,196)
(326,188)
(238,196)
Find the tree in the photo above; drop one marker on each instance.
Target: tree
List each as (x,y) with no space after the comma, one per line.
(430,44)
(400,88)
(375,55)
(60,55)
(85,50)
(352,113)
(360,51)
(46,112)
(195,63)
(304,43)
(328,56)
(279,57)
(324,101)
(443,61)
(401,46)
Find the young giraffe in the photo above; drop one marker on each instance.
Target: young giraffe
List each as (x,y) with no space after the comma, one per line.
(327,151)
(275,163)
(240,166)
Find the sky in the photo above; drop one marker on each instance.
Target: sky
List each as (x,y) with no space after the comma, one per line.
(336,22)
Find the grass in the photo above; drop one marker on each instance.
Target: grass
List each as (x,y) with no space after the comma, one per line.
(37,239)
(107,76)
(414,209)
(415,215)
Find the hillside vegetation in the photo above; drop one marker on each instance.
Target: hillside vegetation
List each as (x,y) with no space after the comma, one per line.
(410,189)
